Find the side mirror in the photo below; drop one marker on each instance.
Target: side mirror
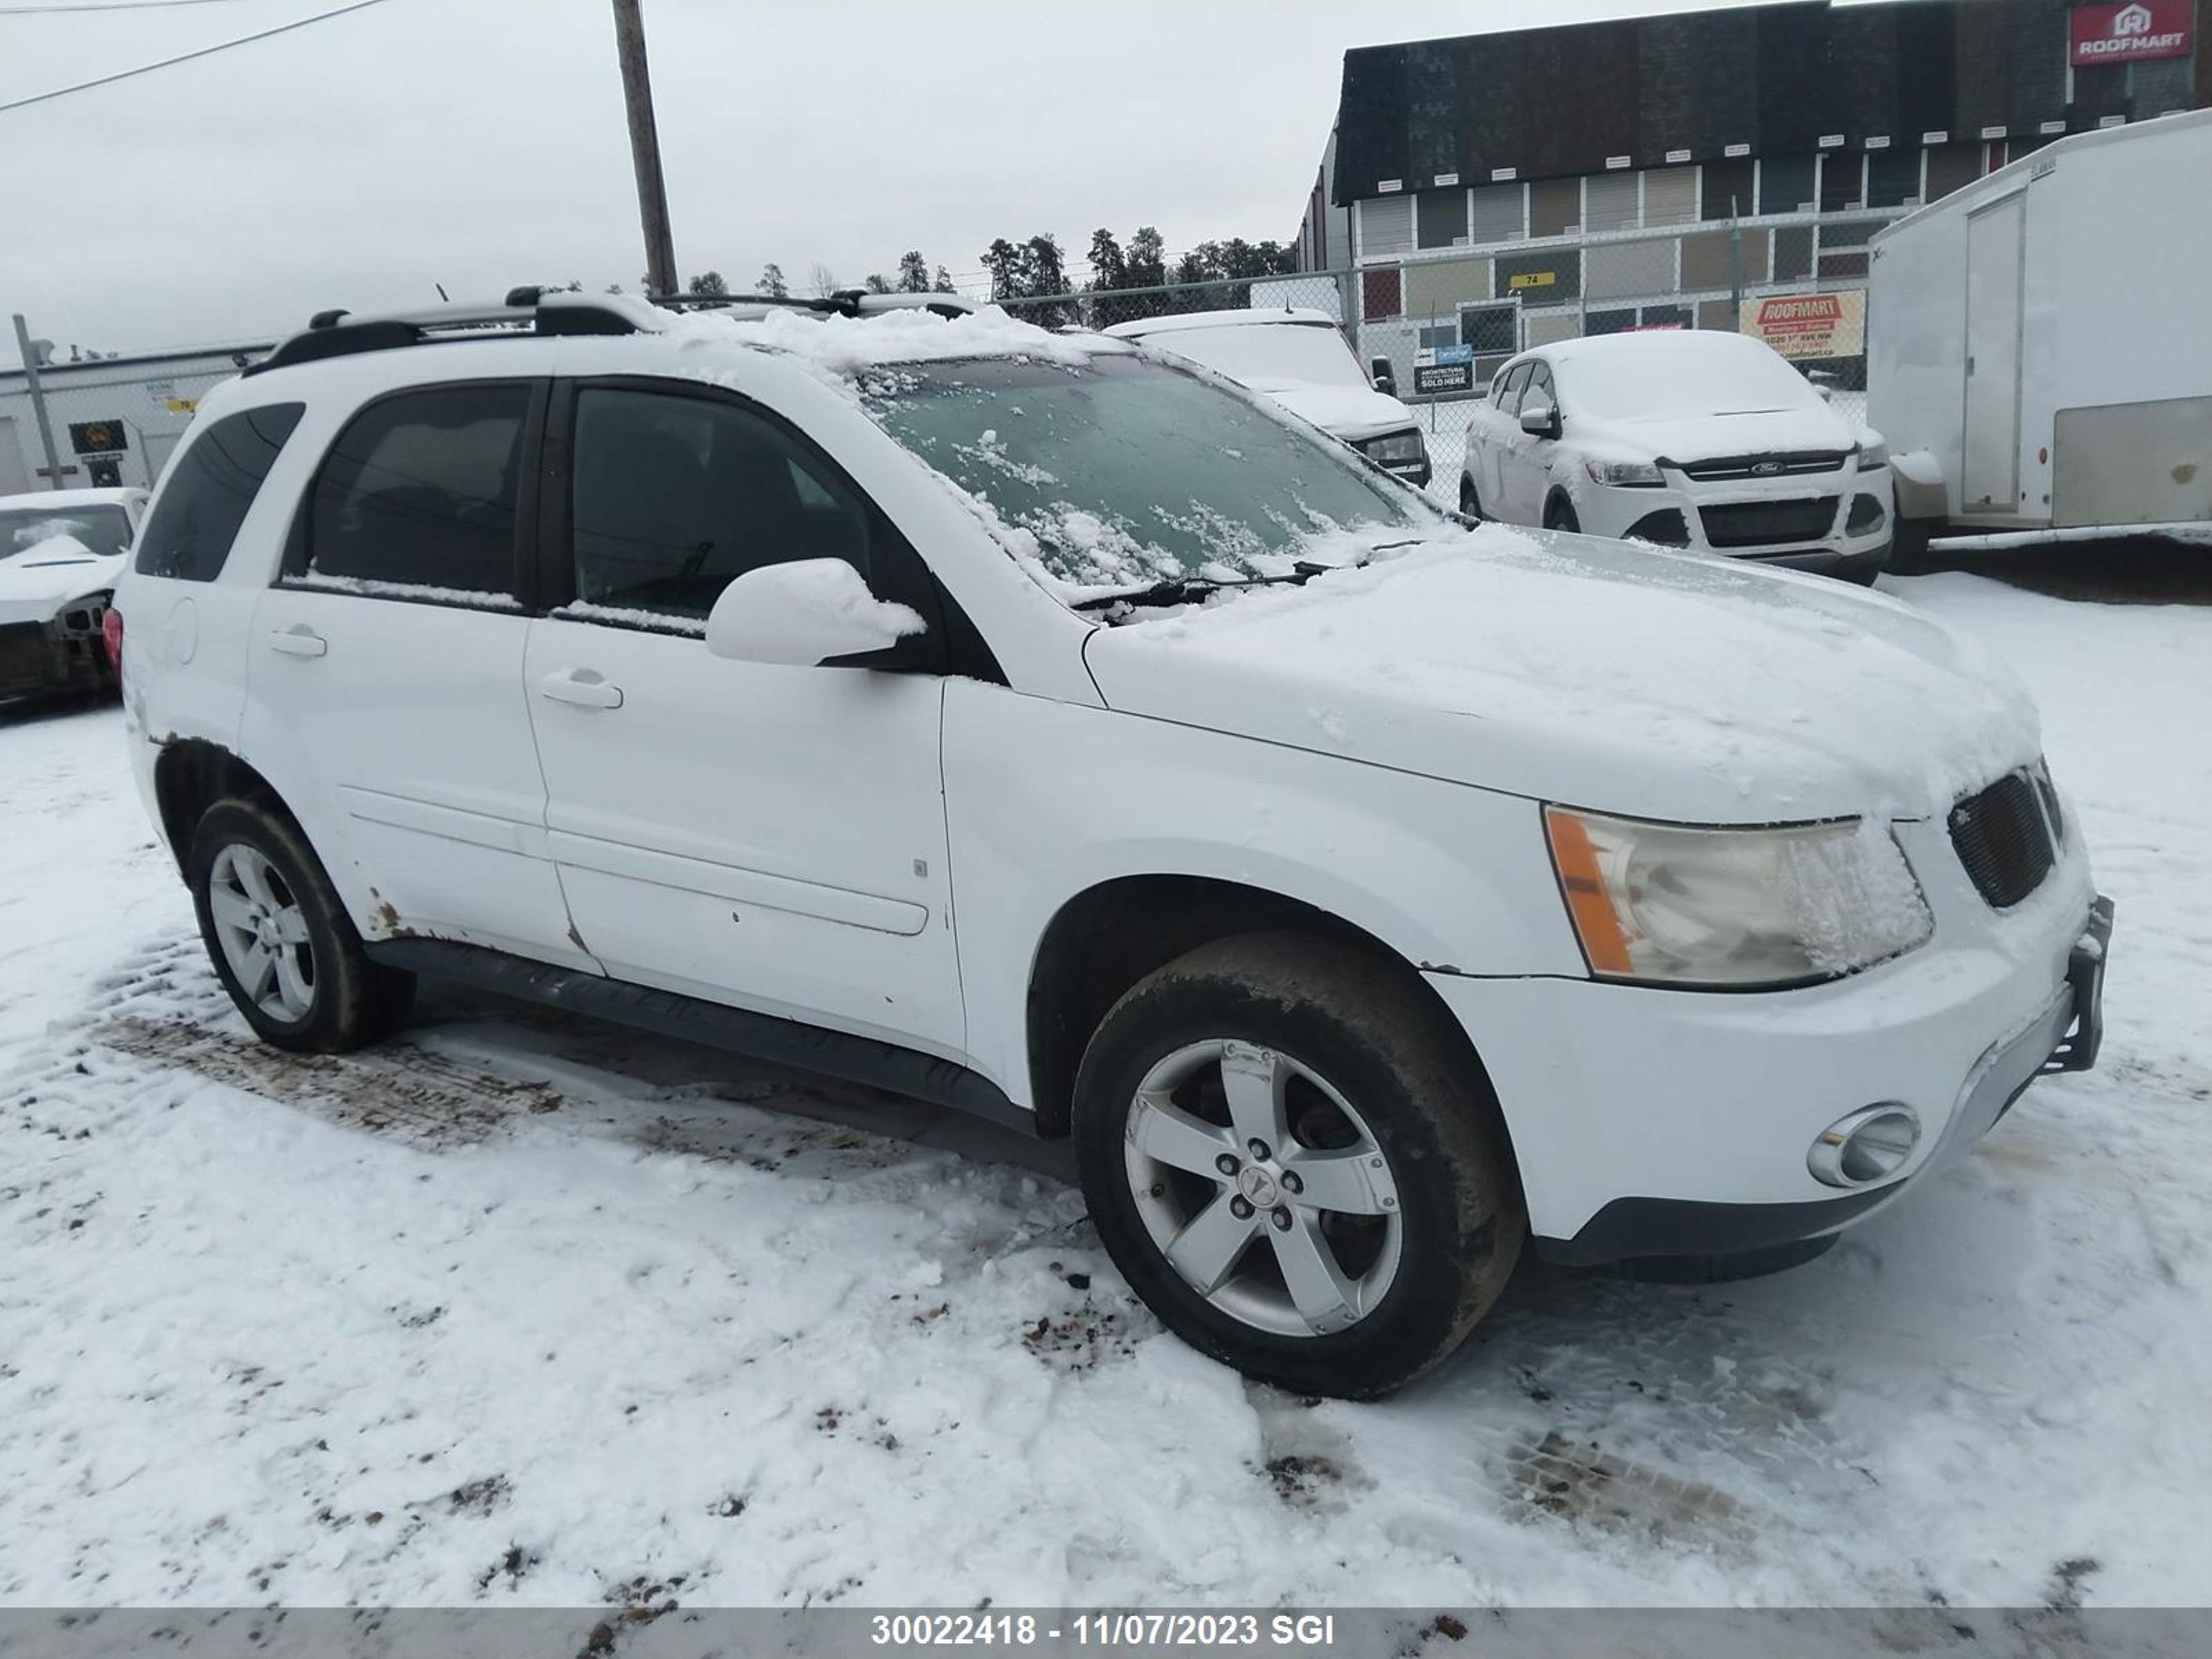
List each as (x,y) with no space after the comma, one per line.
(1539,418)
(1383,378)
(803,613)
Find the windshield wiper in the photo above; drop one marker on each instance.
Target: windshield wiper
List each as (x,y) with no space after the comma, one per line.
(1184,590)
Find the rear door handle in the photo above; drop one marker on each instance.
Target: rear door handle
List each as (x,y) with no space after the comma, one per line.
(298,640)
(585,687)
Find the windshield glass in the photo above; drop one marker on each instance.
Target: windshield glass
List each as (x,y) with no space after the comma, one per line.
(105,530)
(1664,377)
(1268,354)
(1128,472)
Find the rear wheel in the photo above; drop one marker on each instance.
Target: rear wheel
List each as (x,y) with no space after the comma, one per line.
(1295,1161)
(1559,514)
(280,939)
(1470,504)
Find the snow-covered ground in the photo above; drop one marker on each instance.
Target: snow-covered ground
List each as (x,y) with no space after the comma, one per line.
(517,1312)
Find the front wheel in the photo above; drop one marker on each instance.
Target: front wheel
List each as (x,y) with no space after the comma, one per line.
(1294,1159)
(1560,515)
(1908,548)
(280,938)
(1470,504)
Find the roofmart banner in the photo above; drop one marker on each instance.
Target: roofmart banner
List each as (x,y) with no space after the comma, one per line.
(2119,34)
(1805,326)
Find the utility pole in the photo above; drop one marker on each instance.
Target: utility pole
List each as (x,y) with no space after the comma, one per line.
(31,348)
(645,149)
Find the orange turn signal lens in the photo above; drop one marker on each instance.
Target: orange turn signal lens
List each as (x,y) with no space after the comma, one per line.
(1587,902)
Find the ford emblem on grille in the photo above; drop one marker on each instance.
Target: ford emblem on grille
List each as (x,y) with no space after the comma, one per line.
(1765,469)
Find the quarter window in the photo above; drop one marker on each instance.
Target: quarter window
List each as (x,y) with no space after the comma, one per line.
(421,492)
(205,500)
(674,496)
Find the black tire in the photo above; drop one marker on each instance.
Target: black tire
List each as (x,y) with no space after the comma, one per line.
(354,1002)
(1395,1056)
(1908,548)
(1470,504)
(1559,514)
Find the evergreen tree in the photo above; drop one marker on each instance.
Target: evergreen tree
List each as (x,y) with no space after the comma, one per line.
(876,283)
(912,273)
(772,283)
(1003,260)
(944,282)
(708,282)
(1146,265)
(1108,268)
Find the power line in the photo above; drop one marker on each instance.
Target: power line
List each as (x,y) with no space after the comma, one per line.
(103,5)
(187,57)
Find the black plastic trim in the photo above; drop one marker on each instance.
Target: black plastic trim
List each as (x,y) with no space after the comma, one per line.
(1630,1228)
(788,1042)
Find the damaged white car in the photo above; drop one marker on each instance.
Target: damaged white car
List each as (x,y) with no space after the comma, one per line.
(1036,726)
(60,553)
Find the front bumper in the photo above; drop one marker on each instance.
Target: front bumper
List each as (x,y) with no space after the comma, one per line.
(2064,1036)
(41,659)
(1685,1118)
(1673,515)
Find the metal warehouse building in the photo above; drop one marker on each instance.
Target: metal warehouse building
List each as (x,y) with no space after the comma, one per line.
(113,419)
(1710,169)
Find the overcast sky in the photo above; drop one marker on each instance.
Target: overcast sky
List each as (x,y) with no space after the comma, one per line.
(480,143)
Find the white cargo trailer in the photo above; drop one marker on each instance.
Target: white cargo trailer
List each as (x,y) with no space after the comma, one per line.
(2039,351)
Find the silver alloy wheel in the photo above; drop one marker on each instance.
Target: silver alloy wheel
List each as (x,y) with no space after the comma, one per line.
(262,932)
(1209,1192)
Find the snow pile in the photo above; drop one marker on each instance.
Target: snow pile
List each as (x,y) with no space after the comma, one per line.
(47,537)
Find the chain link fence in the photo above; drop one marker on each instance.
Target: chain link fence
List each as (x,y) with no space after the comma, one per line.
(1434,325)
(114,422)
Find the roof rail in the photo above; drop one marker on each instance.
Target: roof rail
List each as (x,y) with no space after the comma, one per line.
(528,312)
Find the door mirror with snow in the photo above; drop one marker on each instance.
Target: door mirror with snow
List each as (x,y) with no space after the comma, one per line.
(1539,417)
(803,613)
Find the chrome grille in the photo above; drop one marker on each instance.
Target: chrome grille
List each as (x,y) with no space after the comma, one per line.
(1762,466)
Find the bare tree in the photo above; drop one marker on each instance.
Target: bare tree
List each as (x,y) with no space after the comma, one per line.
(822,280)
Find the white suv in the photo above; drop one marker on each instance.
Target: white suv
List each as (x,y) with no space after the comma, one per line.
(996,716)
(1691,439)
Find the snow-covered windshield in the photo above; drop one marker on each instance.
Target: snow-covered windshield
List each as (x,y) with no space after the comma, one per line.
(1665,377)
(1129,471)
(103,530)
(1267,356)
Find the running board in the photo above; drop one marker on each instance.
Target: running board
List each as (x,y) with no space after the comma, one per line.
(786,1042)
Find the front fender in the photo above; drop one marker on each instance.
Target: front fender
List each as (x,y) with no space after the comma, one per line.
(1045,800)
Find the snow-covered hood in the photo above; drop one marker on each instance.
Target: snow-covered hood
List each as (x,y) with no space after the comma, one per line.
(1564,668)
(1353,413)
(1710,437)
(41,579)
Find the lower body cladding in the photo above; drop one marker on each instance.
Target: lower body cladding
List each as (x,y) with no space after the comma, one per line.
(55,657)
(1821,527)
(1661,1123)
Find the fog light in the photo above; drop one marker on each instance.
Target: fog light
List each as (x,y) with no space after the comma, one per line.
(1870,1144)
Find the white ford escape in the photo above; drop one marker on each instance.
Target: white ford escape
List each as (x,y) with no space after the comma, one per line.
(1040,727)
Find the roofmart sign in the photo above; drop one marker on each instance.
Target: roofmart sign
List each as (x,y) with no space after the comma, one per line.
(1808,326)
(2120,34)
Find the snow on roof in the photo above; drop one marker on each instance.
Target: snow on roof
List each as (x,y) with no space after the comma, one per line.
(1648,344)
(1302,315)
(846,346)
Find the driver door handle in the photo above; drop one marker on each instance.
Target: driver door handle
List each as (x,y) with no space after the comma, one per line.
(298,641)
(585,687)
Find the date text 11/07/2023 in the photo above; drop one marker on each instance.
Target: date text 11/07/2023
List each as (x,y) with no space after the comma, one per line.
(1303,1631)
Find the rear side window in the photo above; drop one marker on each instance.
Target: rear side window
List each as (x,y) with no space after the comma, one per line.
(421,491)
(676,495)
(216,479)
(1509,396)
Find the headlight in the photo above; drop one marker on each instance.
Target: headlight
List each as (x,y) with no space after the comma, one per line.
(1670,905)
(1394,448)
(1631,475)
(1872,456)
